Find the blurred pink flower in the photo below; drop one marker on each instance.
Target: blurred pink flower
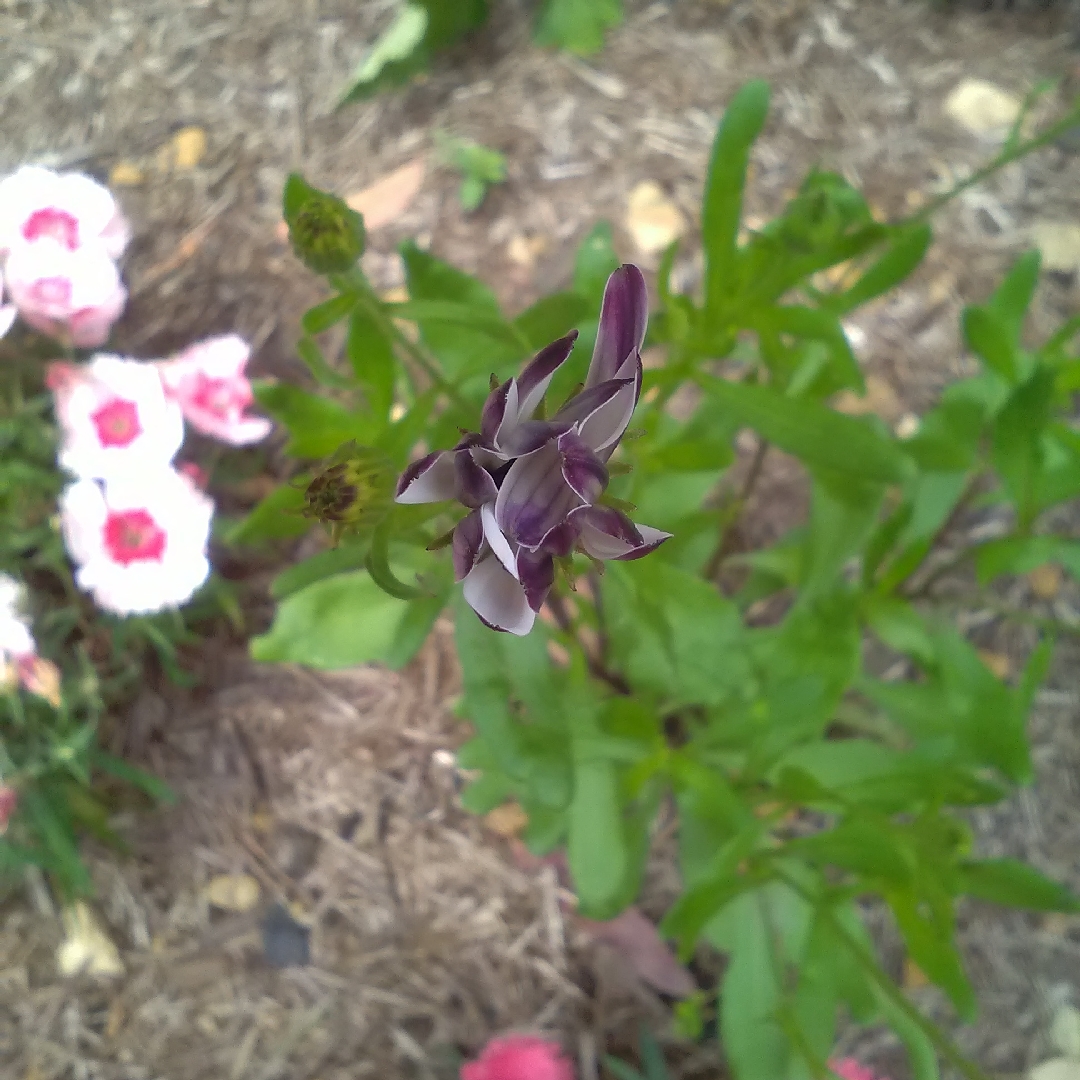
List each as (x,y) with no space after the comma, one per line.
(850,1069)
(70,209)
(139,541)
(71,294)
(208,381)
(114,417)
(16,641)
(9,800)
(519,1057)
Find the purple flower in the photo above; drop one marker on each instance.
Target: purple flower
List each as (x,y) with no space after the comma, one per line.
(532,486)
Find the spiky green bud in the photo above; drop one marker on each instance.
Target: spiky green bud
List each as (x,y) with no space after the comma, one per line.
(325,233)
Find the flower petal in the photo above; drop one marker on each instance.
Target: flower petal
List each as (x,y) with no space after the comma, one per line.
(496,540)
(468,541)
(602,413)
(624,316)
(494,410)
(431,479)
(581,468)
(498,598)
(475,485)
(533,382)
(607,533)
(536,572)
(534,497)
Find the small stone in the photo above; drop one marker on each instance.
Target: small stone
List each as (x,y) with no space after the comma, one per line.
(907,427)
(86,949)
(1059,242)
(1065,1031)
(507,820)
(880,399)
(652,219)
(524,250)
(1045,581)
(983,108)
(285,942)
(233,892)
(1062,1068)
(184,151)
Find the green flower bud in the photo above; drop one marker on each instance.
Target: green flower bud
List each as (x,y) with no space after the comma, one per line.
(353,493)
(324,232)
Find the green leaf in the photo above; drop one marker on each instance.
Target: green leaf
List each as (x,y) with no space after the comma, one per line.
(818,436)
(577,25)
(987,335)
(378,566)
(371,354)
(157,789)
(55,833)
(317,426)
(320,318)
(471,193)
(866,845)
(813,325)
(1022,554)
(415,626)
(596,845)
(1018,448)
(337,622)
(906,251)
(1013,296)
(722,207)
(308,351)
(841,517)
(551,318)
(276,517)
(338,560)
(1014,884)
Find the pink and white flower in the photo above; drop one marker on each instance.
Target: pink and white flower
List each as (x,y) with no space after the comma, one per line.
(70,209)
(519,1057)
(8,313)
(16,641)
(207,380)
(114,417)
(70,293)
(139,542)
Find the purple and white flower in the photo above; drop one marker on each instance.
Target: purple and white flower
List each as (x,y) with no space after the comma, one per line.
(532,485)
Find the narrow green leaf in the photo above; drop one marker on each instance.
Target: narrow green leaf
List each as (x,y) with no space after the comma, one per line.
(906,251)
(157,789)
(378,566)
(817,435)
(1015,884)
(276,517)
(596,845)
(576,26)
(722,207)
(371,355)
(345,557)
(1013,296)
(320,318)
(1022,554)
(988,336)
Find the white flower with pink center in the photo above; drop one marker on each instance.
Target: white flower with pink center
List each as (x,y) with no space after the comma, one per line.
(70,209)
(114,417)
(75,295)
(139,542)
(207,380)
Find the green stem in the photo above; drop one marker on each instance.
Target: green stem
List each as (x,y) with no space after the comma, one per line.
(872,969)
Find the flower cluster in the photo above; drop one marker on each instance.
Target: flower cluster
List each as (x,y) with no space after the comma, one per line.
(60,237)
(532,486)
(519,1057)
(138,527)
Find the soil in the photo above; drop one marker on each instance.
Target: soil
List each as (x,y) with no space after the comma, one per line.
(337,793)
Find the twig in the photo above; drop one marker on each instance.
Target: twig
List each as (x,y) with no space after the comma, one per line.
(735,508)
(597,667)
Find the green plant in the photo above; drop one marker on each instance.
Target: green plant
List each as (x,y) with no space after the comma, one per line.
(806,782)
(480,167)
(422,28)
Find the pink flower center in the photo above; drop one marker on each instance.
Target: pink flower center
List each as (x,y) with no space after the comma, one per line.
(222,397)
(117,423)
(54,290)
(55,224)
(133,536)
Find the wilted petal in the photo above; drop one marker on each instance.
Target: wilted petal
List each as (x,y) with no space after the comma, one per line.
(607,533)
(533,382)
(498,598)
(624,316)
(468,541)
(431,479)
(475,485)
(581,468)
(534,497)
(497,540)
(536,572)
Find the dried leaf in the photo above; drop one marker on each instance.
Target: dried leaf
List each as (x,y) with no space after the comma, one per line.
(1045,581)
(126,174)
(387,199)
(880,399)
(507,820)
(997,662)
(184,151)
(652,219)
(914,977)
(636,938)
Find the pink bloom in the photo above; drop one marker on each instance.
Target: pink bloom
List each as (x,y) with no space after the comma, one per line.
(208,382)
(519,1057)
(850,1069)
(139,541)
(114,417)
(9,799)
(69,294)
(69,209)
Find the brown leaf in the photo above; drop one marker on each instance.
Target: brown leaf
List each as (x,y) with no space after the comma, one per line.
(637,939)
(1045,581)
(914,977)
(507,820)
(387,199)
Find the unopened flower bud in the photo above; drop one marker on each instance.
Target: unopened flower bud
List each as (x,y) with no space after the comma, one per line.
(353,492)
(325,233)
(41,677)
